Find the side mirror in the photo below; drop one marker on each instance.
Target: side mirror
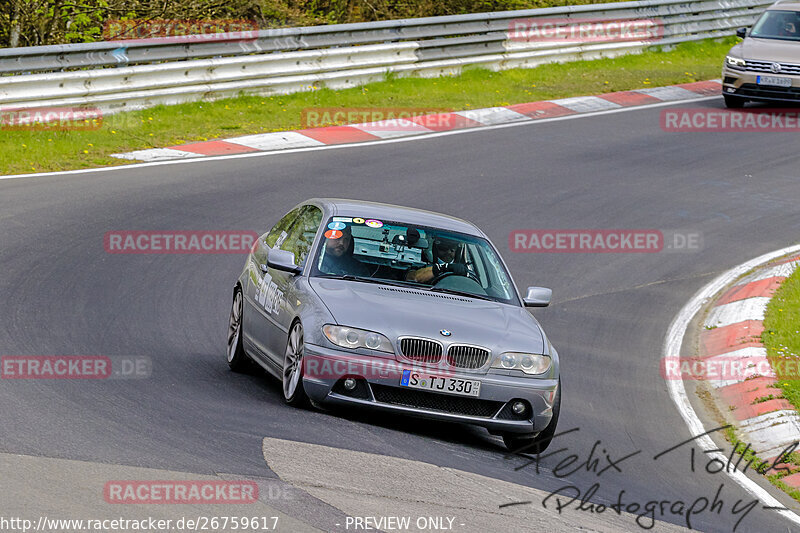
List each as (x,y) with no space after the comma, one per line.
(741,33)
(282,260)
(538,297)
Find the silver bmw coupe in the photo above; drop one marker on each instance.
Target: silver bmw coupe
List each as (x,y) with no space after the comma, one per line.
(400,310)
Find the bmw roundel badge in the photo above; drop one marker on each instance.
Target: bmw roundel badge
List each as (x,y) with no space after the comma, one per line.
(445,332)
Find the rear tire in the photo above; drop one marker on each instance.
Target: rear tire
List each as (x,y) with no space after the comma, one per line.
(536,444)
(237,358)
(293,392)
(733,102)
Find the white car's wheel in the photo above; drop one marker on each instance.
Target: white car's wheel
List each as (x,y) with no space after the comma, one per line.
(293,391)
(237,359)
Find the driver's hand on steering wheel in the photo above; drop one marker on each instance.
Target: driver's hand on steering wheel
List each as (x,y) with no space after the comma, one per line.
(458,269)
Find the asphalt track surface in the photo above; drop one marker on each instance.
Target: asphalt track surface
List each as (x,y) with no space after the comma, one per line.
(62,294)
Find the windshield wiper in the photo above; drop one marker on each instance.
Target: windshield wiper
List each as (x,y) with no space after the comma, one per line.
(461,293)
(380,281)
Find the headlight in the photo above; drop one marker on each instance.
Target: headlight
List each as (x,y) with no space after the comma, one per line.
(735,62)
(357,338)
(530,363)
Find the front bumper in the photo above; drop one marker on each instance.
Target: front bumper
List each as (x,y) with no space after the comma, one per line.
(744,84)
(379,389)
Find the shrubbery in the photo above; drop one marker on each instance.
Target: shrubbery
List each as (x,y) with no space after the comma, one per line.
(40,22)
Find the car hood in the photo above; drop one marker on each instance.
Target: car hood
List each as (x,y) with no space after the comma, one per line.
(398,311)
(768,50)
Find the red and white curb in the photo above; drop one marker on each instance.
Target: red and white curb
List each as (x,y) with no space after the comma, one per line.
(736,321)
(427,124)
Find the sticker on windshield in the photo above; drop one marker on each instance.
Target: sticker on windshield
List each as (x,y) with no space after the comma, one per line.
(337,225)
(342,219)
(374,223)
(358,220)
(333,234)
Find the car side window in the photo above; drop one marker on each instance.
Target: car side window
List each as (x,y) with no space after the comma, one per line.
(302,234)
(280,231)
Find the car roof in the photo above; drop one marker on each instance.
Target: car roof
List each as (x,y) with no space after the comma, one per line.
(396,213)
(785,5)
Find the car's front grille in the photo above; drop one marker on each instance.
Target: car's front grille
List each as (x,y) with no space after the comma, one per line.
(421,350)
(769,92)
(465,356)
(435,402)
(766,66)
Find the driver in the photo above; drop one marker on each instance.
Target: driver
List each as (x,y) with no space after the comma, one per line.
(339,258)
(444,260)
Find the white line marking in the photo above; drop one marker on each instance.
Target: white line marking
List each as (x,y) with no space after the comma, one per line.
(738,311)
(157,154)
(582,104)
(669,93)
(493,115)
(275,140)
(778,271)
(207,160)
(386,129)
(672,345)
(752,361)
(771,433)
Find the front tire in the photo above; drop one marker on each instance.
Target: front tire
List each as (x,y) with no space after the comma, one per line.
(237,359)
(733,102)
(536,444)
(293,391)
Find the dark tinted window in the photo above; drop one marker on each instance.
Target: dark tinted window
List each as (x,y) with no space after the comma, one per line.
(778,25)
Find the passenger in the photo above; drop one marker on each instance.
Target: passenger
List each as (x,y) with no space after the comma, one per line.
(339,258)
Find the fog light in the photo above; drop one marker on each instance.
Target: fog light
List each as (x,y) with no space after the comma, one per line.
(518,408)
(349,383)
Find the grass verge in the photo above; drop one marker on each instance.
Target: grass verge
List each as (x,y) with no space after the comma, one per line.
(749,460)
(781,337)
(40,151)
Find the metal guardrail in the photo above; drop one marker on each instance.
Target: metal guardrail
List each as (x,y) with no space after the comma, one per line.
(134,74)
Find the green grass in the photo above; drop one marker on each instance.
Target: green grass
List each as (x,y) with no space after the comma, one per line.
(38,151)
(781,337)
(763,467)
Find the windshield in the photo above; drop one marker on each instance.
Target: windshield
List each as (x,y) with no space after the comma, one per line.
(778,25)
(398,253)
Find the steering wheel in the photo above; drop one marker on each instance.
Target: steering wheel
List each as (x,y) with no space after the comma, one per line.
(443,275)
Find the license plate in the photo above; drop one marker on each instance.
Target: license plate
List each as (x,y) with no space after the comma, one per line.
(446,385)
(774,80)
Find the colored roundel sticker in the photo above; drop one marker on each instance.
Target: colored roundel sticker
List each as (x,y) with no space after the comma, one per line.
(337,225)
(358,220)
(333,234)
(374,223)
